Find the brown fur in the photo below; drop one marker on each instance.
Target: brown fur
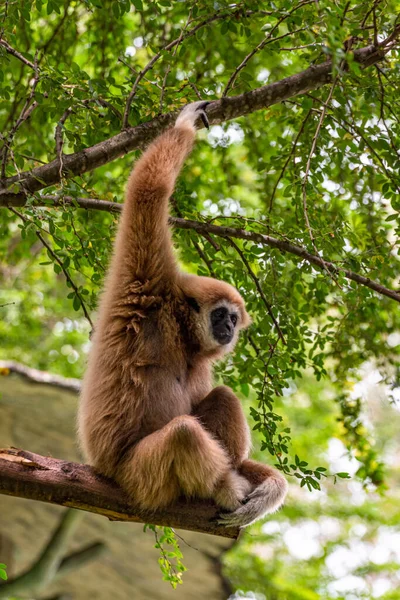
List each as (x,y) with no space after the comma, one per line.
(148,415)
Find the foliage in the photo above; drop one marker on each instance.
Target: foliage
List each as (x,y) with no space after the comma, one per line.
(3,571)
(320,170)
(170,560)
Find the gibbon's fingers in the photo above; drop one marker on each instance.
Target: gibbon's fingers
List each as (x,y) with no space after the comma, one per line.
(266,498)
(191,113)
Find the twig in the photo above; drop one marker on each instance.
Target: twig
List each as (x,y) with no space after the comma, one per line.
(17,54)
(288,159)
(259,288)
(164,83)
(60,263)
(24,115)
(382,113)
(354,130)
(260,46)
(58,136)
(150,64)
(232,232)
(314,143)
(308,165)
(263,43)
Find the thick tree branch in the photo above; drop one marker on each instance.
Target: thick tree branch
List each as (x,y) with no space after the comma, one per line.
(27,475)
(15,189)
(205,229)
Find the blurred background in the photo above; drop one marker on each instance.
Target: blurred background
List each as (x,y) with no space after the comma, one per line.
(318,371)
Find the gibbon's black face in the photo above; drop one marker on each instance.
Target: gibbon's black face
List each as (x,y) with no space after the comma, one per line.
(223,323)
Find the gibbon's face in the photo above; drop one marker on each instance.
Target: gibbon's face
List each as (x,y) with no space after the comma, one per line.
(223,321)
(219,325)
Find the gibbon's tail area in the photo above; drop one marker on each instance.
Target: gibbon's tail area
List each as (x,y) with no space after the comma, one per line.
(149,416)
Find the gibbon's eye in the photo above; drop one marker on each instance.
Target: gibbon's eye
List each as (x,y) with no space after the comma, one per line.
(219,314)
(233,319)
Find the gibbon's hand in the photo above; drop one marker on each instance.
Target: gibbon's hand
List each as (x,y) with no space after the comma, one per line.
(191,113)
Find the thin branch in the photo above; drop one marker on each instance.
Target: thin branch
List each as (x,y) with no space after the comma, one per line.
(164,83)
(61,264)
(46,479)
(155,58)
(263,43)
(58,136)
(219,111)
(352,128)
(259,288)
(176,42)
(317,132)
(308,165)
(42,377)
(24,115)
(17,54)
(261,46)
(294,145)
(242,234)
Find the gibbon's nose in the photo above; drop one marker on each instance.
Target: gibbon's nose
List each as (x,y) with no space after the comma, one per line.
(223,332)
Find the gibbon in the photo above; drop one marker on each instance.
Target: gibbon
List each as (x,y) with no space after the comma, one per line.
(148,416)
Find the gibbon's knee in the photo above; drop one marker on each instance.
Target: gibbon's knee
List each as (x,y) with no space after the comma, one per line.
(222,415)
(179,458)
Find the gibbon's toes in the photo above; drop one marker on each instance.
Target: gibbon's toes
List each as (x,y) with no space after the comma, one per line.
(231,491)
(266,498)
(192,112)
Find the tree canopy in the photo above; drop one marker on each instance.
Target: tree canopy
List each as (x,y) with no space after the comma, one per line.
(293,196)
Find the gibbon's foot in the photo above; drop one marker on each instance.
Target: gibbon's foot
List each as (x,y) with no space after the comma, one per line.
(190,114)
(231,491)
(266,498)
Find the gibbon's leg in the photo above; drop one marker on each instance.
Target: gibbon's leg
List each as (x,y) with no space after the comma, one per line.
(179,458)
(269,491)
(222,415)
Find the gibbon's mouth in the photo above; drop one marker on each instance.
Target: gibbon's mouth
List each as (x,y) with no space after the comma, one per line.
(223,338)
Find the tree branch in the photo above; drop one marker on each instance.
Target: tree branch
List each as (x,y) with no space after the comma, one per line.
(17,54)
(205,229)
(44,570)
(41,377)
(35,477)
(51,564)
(137,137)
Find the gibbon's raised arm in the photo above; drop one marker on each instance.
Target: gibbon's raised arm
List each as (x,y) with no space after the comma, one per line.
(144,232)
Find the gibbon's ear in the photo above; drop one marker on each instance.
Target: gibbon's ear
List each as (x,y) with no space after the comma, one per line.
(193,303)
(246,319)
